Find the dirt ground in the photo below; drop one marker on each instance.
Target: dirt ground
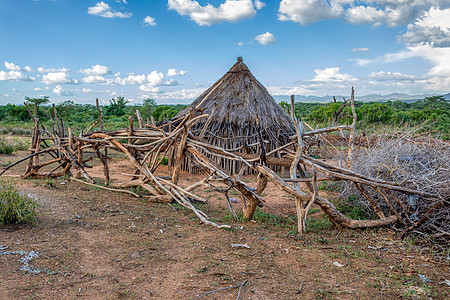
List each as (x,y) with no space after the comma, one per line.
(96,244)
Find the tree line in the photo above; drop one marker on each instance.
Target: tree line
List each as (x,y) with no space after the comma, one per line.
(434,111)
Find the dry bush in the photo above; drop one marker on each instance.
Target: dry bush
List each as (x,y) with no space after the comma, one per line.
(413,161)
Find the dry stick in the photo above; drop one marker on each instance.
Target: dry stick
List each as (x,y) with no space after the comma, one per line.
(327,207)
(390,205)
(208,121)
(136,182)
(92,126)
(365,180)
(179,157)
(310,179)
(240,186)
(75,164)
(28,157)
(197,184)
(399,202)
(144,169)
(314,195)
(105,188)
(301,217)
(351,139)
(372,202)
(423,218)
(105,156)
(139,118)
(183,191)
(56,119)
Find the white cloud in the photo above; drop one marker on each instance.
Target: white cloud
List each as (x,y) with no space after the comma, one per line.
(266,38)
(229,11)
(102,9)
(13,67)
(58,78)
(155,78)
(48,70)
(386,58)
(360,49)
(308,11)
(259,5)
(172,72)
(58,90)
(122,1)
(96,70)
(395,76)
(373,12)
(240,44)
(15,76)
(149,21)
(433,29)
(94,79)
(331,75)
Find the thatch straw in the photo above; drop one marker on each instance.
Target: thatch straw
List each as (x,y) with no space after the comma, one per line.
(240,109)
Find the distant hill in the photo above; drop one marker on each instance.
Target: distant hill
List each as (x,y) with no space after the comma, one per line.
(366,98)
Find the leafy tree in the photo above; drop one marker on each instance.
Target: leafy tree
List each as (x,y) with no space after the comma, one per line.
(36,102)
(375,112)
(117,106)
(148,106)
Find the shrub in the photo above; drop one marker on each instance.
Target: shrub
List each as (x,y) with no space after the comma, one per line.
(5,147)
(14,207)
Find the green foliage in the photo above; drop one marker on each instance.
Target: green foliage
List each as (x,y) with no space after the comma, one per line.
(14,207)
(324,114)
(166,112)
(117,106)
(36,102)
(317,225)
(5,147)
(148,107)
(375,112)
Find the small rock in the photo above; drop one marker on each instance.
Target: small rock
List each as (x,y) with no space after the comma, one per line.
(338,264)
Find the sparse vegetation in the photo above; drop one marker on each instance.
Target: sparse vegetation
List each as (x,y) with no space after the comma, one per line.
(14,207)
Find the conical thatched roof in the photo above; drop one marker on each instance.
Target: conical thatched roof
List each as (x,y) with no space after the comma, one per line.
(240,107)
(241,101)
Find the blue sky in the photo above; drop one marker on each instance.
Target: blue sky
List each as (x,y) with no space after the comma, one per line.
(172,50)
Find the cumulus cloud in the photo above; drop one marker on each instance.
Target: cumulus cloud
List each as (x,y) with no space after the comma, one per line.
(433,29)
(373,12)
(58,78)
(13,67)
(229,11)
(102,9)
(308,11)
(58,90)
(94,79)
(96,70)
(360,49)
(174,72)
(149,21)
(15,76)
(48,70)
(266,38)
(331,75)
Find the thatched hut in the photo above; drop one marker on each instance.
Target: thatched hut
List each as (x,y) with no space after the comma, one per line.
(242,115)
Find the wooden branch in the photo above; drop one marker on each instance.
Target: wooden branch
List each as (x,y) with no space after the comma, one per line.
(372,202)
(105,188)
